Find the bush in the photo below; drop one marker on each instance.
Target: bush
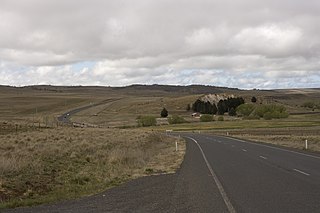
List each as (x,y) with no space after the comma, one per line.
(267,116)
(273,111)
(220,118)
(245,109)
(146,120)
(206,118)
(311,105)
(175,119)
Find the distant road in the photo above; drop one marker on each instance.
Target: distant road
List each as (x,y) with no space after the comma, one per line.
(218,174)
(65,117)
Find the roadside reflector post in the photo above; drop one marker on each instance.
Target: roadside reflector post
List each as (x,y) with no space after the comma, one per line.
(306,144)
(176,146)
(227,133)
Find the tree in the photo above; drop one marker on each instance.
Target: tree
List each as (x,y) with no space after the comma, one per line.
(214,109)
(164,113)
(232,112)
(188,107)
(222,108)
(253,99)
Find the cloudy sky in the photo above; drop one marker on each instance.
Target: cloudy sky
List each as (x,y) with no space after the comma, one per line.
(234,43)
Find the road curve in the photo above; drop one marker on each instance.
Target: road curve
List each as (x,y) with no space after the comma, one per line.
(218,174)
(65,117)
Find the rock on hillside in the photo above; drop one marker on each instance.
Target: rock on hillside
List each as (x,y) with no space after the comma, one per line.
(215,98)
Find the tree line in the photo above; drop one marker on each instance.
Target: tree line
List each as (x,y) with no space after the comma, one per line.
(227,105)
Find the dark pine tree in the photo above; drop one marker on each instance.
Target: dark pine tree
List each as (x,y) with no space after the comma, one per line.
(188,107)
(164,113)
(222,108)
(232,112)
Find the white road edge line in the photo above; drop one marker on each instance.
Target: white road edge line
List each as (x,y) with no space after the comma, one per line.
(304,173)
(263,157)
(271,147)
(216,180)
(244,150)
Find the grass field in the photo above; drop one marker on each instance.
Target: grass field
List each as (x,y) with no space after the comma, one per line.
(293,121)
(53,164)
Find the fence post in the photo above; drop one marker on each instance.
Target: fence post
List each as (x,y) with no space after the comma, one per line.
(306,146)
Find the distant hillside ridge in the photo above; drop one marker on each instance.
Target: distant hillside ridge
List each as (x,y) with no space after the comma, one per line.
(188,89)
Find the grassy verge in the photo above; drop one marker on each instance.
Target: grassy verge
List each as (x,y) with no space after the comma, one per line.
(293,137)
(56,164)
(238,124)
(291,132)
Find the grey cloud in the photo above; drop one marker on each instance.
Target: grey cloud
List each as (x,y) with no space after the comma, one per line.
(138,40)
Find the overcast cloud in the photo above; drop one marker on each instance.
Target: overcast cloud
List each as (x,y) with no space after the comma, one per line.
(235,43)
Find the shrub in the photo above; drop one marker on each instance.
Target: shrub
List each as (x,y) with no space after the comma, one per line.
(146,120)
(245,109)
(253,99)
(273,111)
(311,105)
(220,118)
(267,116)
(175,119)
(206,118)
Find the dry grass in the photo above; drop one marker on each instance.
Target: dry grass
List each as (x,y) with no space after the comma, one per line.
(293,137)
(124,112)
(54,164)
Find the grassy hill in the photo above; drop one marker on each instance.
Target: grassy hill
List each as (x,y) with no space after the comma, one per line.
(38,103)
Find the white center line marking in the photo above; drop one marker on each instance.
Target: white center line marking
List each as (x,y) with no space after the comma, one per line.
(244,150)
(304,173)
(263,157)
(216,180)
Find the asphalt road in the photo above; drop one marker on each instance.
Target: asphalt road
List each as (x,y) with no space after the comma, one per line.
(263,178)
(218,175)
(65,117)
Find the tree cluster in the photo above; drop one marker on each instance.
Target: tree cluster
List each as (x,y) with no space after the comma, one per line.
(251,111)
(204,107)
(227,105)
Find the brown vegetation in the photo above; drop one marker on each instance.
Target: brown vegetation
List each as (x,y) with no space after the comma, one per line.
(293,137)
(52,164)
